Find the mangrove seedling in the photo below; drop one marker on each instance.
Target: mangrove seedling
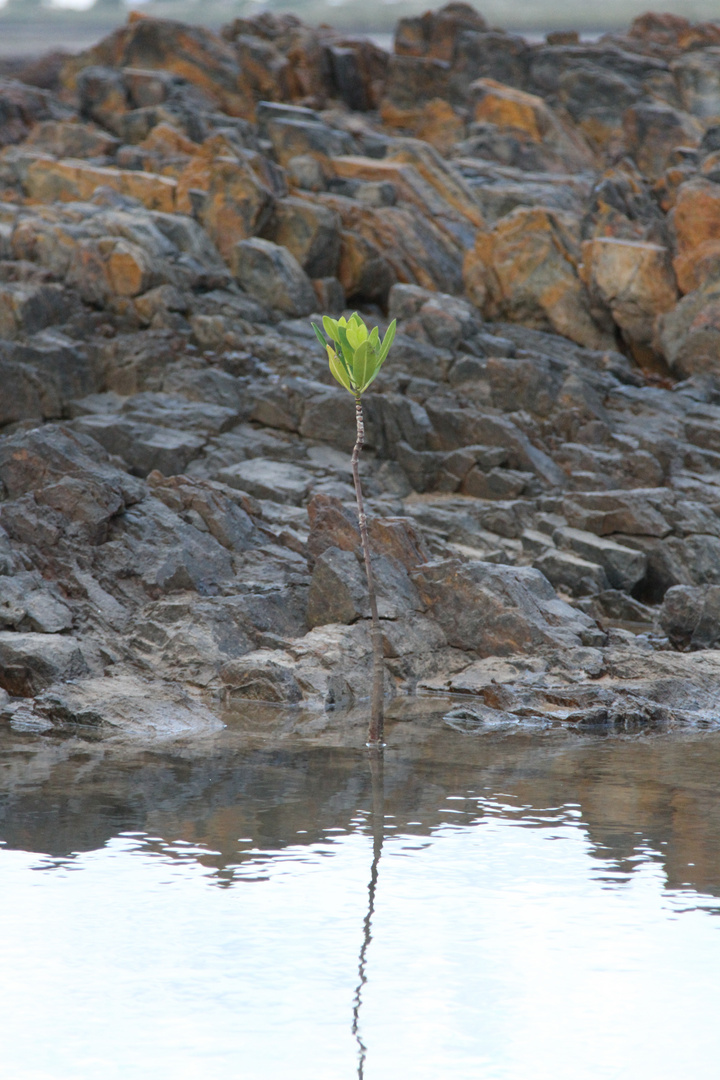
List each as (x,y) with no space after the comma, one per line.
(356,355)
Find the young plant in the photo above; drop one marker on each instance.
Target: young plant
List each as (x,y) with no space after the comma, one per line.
(356,356)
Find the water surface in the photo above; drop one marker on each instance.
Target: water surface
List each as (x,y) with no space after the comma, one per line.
(501,906)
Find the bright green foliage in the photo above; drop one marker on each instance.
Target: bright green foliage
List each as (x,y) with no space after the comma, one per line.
(355,354)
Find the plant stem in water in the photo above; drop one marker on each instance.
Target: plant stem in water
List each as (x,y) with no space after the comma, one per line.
(377,717)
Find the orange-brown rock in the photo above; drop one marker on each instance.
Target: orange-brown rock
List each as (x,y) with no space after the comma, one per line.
(435,122)
(110,267)
(698,267)
(49,181)
(526,270)
(424,180)
(435,33)
(653,130)
(507,107)
(193,52)
(413,247)
(236,204)
(633,281)
(696,220)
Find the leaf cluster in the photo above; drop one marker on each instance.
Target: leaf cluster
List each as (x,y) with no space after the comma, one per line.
(356,353)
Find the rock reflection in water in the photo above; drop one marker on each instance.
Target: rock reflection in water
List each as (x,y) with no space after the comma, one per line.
(659,792)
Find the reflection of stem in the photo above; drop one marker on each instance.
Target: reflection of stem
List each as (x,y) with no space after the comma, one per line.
(378,821)
(375,730)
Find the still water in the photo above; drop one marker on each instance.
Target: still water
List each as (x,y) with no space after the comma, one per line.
(503,906)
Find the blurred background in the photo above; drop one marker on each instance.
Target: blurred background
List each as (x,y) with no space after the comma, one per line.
(29,27)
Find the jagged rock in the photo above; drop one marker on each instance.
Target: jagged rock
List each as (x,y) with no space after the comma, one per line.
(571,574)
(276,480)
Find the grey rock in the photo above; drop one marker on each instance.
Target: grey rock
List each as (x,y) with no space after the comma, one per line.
(271,274)
(265,479)
(691,616)
(145,447)
(262,676)
(28,603)
(29,662)
(571,574)
(623,566)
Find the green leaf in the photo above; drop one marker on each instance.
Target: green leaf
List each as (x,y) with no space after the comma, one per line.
(374,338)
(363,366)
(338,370)
(318,334)
(330,327)
(347,353)
(356,331)
(387,341)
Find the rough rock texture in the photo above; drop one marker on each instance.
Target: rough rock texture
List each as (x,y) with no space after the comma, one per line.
(542,459)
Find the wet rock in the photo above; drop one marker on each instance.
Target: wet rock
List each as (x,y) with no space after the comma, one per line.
(120,705)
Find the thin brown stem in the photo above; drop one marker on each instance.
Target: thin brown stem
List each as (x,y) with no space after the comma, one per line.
(377,717)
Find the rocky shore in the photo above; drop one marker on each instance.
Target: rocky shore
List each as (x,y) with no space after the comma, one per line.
(177,528)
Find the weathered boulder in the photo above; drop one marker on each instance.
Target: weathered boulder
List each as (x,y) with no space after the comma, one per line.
(272,274)
(691,616)
(499,610)
(526,270)
(632,281)
(29,662)
(689,334)
(696,222)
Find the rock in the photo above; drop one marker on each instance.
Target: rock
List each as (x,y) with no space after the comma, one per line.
(498,610)
(697,79)
(26,603)
(652,131)
(271,273)
(68,477)
(193,52)
(696,220)
(29,662)
(633,281)
(276,480)
(144,447)
(689,335)
(689,616)
(624,567)
(263,676)
(309,232)
(571,574)
(124,704)
(339,593)
(509,108)
(526,270)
